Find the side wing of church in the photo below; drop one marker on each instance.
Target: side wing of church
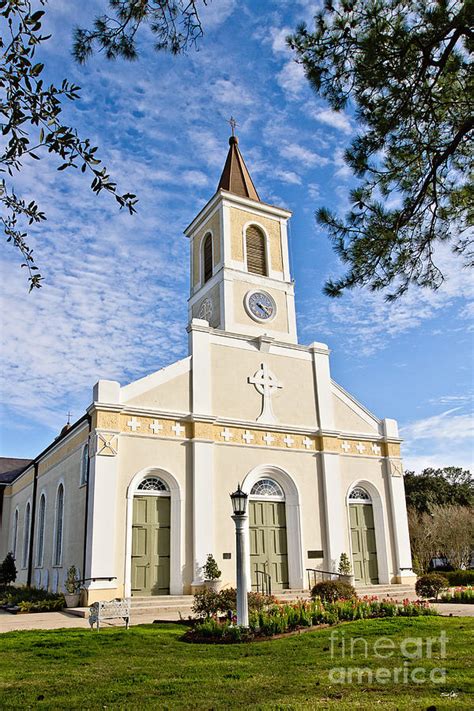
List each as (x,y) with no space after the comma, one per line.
(136,493)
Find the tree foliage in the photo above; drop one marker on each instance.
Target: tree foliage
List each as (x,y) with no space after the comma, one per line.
(451,486)
(404,66)
(31,110)
(8,570)
(175,24)
(446,532)
(32,126)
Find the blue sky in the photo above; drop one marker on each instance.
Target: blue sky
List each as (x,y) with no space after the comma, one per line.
(113,304)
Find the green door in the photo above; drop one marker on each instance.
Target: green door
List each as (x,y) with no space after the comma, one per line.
(151,545)
(268,545)
(364,549)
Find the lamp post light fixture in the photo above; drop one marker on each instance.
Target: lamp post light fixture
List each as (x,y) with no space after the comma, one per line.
(239,505)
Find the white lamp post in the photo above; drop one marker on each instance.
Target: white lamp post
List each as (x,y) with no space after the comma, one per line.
(239,505)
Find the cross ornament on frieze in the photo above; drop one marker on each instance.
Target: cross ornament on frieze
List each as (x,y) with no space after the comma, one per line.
(266,384)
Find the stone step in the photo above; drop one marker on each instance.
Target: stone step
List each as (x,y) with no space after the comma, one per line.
(385,590)
(159,600)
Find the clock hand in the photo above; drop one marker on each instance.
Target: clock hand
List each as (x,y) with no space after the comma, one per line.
(264,308)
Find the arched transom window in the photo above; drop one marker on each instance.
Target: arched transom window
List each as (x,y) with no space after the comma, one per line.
(255,247)
(207,257)
(267,488)
(359,495)
(153,484)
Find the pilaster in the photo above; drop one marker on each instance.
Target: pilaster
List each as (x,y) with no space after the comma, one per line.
(203,506)
(335,519)
(200,351)
(322,384)
(398,510)
(101,523)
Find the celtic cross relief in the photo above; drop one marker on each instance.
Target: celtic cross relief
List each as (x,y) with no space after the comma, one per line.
(266,384)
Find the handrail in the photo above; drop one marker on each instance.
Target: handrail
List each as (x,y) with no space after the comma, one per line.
(87,580)
(315,573)
(267,582)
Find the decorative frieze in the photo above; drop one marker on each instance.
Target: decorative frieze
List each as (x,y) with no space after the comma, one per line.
(167,428)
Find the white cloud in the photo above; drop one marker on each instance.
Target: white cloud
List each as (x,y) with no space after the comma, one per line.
(305,156)
(215,13)
(195,177)
(314,191)
(231,93)
(335,119)
(287,176)
(365,323)
(445,425)
(439,441)
(292,79)
(343,171)
(278,38)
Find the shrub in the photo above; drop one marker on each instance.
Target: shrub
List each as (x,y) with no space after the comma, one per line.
(430,585)
(14,595)
(331,590)
(72,583)
(464,595)
(208,603)
(345,567)
(210,570)
(460,577)
(50,605)
(8,570)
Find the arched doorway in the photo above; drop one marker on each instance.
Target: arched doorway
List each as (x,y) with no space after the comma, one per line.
(363,538)
(268,534)
(150,555)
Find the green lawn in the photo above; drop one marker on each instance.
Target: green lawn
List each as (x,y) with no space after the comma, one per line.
(149,667)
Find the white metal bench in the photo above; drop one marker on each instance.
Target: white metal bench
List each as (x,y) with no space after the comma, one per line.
(109,610)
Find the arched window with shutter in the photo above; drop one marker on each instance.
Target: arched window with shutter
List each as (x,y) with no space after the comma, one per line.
(15,532)
(41,525)
(255,248)
(26,536)
(84,465)
(207,257)
(58,530)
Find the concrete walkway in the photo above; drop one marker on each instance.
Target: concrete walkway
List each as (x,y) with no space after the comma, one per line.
(59,620)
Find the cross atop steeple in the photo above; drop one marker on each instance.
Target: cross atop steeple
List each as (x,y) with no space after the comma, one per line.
(233,124)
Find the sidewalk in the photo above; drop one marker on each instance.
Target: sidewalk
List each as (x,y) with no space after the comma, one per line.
(58,620)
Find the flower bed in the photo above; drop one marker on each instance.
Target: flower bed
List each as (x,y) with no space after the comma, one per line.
(463,594)
(281,619)
(24,599)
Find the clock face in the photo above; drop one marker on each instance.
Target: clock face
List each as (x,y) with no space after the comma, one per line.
(260,305)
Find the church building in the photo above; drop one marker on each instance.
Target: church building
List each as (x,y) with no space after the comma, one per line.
(135,494)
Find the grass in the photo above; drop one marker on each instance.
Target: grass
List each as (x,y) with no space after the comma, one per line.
(149,667)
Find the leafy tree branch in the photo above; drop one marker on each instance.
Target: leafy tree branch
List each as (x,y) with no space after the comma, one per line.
(405,68)
(31,126)
(175,24)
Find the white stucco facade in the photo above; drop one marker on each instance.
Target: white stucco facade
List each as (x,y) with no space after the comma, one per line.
(248,403)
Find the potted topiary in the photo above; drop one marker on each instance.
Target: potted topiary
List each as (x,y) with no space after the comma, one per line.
(345,569)
(72,586)
(212,574)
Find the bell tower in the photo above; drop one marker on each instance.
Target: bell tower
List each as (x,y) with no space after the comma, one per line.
(240,271)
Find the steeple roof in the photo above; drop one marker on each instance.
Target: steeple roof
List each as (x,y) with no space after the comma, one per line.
(235,177)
